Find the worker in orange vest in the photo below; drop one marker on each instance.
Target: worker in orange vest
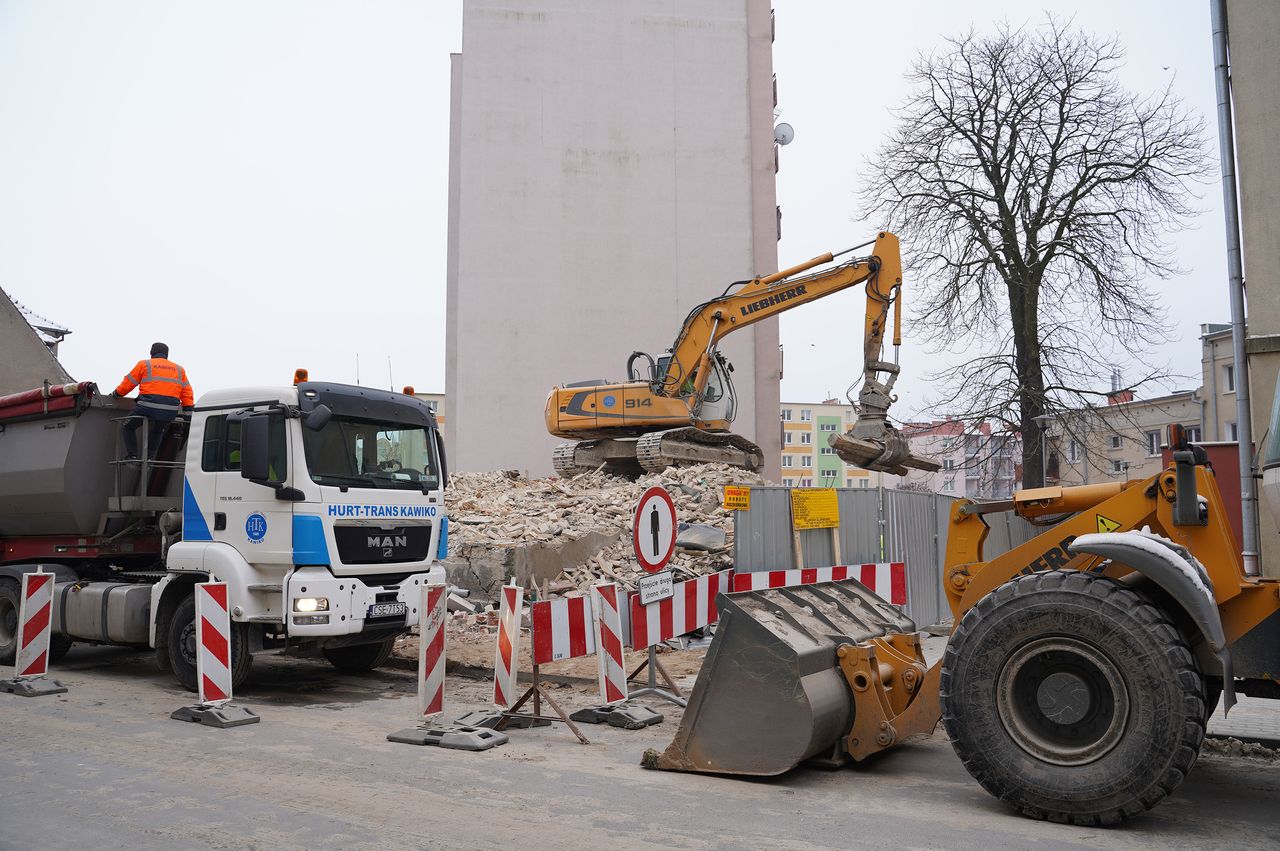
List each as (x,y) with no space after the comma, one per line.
(163,390)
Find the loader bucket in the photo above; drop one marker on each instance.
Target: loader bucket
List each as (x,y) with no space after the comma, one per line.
(770,693)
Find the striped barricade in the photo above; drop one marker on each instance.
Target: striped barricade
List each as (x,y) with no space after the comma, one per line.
(213,662)
(562,629)
(431,652)
(507,649)
(31,661)
(887,579)
(606,602)
(693,606)
(433,609)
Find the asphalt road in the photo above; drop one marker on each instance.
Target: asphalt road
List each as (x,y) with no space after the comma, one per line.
(104,767)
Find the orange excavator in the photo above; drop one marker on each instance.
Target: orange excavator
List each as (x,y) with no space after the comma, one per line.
(678,408)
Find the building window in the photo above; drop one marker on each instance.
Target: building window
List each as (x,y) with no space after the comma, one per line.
(1193,434)
(806,437)
(806,460)
(1073,451)
(826,450)
(826,427)
(1229,377)
(848,483)
(949,486)
(806,415)
(786,437)
(1152,439)
(948,464)
(806,483)
(1116,441)
(828,474)
(786,415)
(786,460)
(1233,431)
(862,483)
(1118,466)
(786,483)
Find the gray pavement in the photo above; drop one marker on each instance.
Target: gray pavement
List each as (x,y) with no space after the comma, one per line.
(1252,719)
(103,767)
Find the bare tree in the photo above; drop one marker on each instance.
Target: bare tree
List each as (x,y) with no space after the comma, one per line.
(1034,195)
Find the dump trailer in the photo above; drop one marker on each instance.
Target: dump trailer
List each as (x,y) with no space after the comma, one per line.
(319,504)
(1078,679)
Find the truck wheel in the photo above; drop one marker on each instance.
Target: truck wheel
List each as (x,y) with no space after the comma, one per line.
(1071,698)
(360,657)
(59,644)
(182,647)
(10,596)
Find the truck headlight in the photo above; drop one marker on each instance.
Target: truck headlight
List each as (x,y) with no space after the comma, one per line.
(311,604)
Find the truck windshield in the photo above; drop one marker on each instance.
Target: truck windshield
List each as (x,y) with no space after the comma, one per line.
(362,454)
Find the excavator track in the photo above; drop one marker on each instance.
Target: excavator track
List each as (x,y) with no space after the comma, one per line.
(617,455)
(659,450)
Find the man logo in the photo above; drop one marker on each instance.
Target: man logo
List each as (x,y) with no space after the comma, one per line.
(377,541)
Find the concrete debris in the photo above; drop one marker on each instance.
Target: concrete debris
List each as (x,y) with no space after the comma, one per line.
(562,535)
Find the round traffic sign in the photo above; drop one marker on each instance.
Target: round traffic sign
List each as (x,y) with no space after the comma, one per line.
(653,529)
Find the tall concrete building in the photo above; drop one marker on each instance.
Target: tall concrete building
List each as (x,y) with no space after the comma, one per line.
(611,166)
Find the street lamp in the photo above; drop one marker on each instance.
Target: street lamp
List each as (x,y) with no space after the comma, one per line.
(1043,422)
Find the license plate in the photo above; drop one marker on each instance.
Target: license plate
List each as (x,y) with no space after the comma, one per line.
(386,610)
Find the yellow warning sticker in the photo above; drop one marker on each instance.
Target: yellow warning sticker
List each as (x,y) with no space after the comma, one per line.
(1106,524)
(737,498)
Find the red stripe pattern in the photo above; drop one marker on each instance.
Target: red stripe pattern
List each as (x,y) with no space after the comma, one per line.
(606,602)
(562,629)
(213,641)
(507,649)
(34,611)
(692,606)
(431,654)
(887,579)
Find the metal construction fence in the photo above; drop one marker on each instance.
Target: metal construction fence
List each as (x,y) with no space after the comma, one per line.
(876,525)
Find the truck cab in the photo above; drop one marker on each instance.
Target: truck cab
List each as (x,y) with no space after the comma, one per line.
(319,504)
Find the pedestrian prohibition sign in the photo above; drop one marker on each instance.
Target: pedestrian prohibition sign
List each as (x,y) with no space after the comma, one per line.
(654,529)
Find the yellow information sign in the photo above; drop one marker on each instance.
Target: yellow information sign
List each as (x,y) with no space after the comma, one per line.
(1106,524)
(737,498)
(814,508)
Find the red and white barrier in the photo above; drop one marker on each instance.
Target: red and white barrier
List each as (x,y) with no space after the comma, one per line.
(607,614)
(562,629)
(34,623)
(213,642)
(887,579)
(507,652)
(692,606)
(431,652)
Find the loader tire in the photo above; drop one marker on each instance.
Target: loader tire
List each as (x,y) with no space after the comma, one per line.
(182,647)
(359,658)
(1071,698)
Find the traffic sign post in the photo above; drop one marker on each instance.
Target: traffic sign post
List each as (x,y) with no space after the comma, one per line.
(653,532)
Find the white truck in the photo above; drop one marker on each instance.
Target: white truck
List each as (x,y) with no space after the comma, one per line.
(320,505)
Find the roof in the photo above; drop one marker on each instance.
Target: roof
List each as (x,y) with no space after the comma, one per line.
(25,361)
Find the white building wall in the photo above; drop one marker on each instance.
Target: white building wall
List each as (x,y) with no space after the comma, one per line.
(608,173)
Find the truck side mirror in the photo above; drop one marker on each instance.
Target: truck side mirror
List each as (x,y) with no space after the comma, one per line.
(317,418)
(444,464)
(255,464)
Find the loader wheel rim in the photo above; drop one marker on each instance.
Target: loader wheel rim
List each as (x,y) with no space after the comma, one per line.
(1062,700)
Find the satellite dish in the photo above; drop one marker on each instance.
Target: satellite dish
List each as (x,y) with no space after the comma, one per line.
(783,134)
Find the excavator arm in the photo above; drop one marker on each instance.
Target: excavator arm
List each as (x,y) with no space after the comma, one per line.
(762,298)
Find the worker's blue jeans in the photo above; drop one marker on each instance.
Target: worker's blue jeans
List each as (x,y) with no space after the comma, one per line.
(155,434)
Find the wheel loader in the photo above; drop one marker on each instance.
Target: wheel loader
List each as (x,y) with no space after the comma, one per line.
(1076,683)
(680,409)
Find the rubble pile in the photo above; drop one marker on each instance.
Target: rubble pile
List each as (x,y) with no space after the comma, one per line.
(492,511)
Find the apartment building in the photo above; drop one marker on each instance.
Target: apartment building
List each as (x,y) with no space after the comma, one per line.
(807,460)
(1121,441)
(977,462)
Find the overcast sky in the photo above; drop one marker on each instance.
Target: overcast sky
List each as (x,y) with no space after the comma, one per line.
(263,184)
